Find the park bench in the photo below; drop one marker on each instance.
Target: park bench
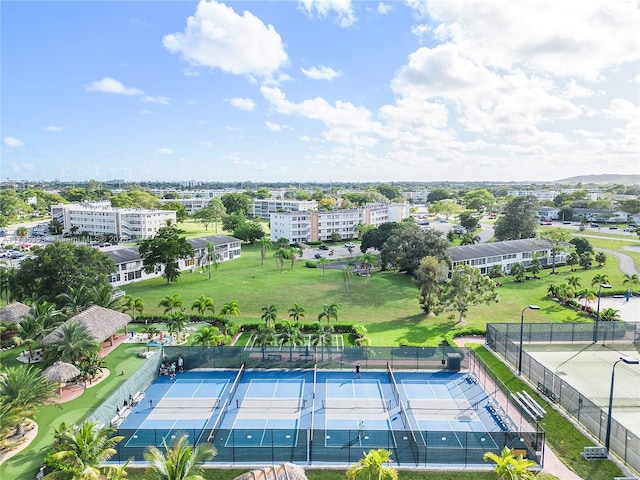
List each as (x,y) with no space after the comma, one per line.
(592,453)
(306,356)
(137,398)
(274,356)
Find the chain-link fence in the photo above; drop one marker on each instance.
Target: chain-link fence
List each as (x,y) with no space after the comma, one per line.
(504,339)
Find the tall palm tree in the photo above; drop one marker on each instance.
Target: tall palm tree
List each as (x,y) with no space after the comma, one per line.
(133,304)
(24,389)
(208,337)
(294,253)
(323,337)
(170,302)
(631,281)
(72,343)
(79,452)
(599,279)
(269,315)
(329,312)
(210,258)
(346,273)
(290,335)
(586,295)
(574,281)
(509,467)
(368,259)
(231,309)
(202,304)
(297,311)
(180,461)
(75,300)
(371,467)
(323,262)
(265,244)
(280,255)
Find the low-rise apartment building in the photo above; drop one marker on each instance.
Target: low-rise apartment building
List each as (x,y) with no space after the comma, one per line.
(100,219)
(505,254)
(264,207)
(129,267)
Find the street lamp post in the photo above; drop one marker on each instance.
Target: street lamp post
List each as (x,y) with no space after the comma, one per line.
(528,307)
(595,329)
(628,361)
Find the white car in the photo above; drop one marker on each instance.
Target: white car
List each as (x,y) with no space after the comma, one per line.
(350,245)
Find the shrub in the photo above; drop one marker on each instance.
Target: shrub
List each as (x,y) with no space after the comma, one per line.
(359,331)
(311,264)
(462,332)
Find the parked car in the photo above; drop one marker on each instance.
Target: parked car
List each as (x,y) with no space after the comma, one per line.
(318,256)
(323,247)
(595,225)
(350,245)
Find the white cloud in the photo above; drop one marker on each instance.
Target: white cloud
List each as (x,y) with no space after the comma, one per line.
(216,36)
(622,109)
(274,127)
(160,100)
(52,128)
(421,31)
(323,8)
(207,144)
(163,151)
(110,85)
(245,104)
(13,142)
(384,8)
(321,73)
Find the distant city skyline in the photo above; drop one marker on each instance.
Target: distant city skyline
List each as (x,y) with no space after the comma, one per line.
(319,90)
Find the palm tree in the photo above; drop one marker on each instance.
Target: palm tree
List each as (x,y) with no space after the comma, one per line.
(72,343)
(371,467)
(170,302)
(269,315)
(22,232)
(231,308)
(91,366)
(265,244)
(210,258)
(266,336)
(469,239)
(29,331)
(552,290)
(45,313)
(586,295)
(202,304)
(631,281)
(599,279)
(346,273)
(367,260)
(24,389)
(176,323)
(297,311)
(290,335)
(79,452)
(509,467)
(329,312)
(601,258)
(106,296)
(323,337)
(610,315)
(323,262)
(294,253)
(208,337)
(180,461)
(280,254)
(150,331)
(134,304)
(574,281)
(75,300)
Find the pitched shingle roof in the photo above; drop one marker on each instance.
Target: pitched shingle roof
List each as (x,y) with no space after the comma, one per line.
(483,250)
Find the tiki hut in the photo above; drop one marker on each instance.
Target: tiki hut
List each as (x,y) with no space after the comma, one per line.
(61,372)
(287,471)
(101,323)
(14,312)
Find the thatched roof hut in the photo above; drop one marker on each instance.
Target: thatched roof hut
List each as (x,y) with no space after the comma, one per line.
(14,312)
(61,372)
(102,323)
(286,471)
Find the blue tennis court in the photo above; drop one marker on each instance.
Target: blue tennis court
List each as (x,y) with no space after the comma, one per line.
(294,414)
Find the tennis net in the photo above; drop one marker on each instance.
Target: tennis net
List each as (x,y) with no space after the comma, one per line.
(336,403)
(258,403)
(394,384)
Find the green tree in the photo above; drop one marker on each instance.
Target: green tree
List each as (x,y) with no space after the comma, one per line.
(206,216)
(294,253)
(75,300)
(280,255)
(231,308)
(574,281)
(479,200)
(518,271)
(210,258)
(586,260)
(28,332)
(170,303)
(217,211)
(22,390)
(22,232)
(237,203)
(586,295)
(557,241)
(428,278)
(446,207)
(610,315)
(208,337)
(323,262)
(406,247)
(71,344)
(469,239)
(329,312)
(202,304)
(166,248)
(91,366)
(438,194)
(468,221)
(79,452)
(519,219)
(599,279)
(368,260)
(631,281)
(323,337)
(372,467)
(509,467)
(181,211)
(249,232)
(176,323)
(106,296)
(389,191)
(573,259)
(133,304)
(291,335)
(582,245)
(535,267)
(467,287)
(60,266)
(269,315)
(265,245)
(297,311)
(231,222)
(265,337)
(601,258)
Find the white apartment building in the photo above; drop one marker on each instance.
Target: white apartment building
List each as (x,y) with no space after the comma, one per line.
(264,207)
(540,195)
(319,225)
(100,219)
(191,205)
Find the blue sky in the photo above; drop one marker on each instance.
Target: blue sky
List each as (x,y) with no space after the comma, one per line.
(319,90)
